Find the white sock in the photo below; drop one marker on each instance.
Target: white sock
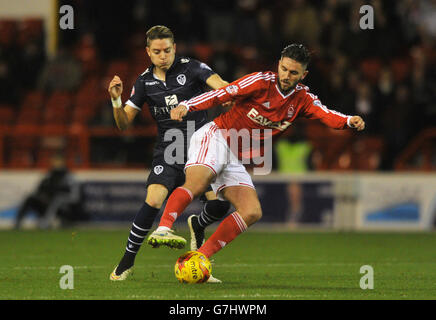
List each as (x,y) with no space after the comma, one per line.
(162,228)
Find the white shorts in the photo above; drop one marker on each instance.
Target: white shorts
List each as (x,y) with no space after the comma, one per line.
(209,148)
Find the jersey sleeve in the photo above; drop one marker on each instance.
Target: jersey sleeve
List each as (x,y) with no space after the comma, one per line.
(201,70)
(314,109)
(137,96)
(242,88)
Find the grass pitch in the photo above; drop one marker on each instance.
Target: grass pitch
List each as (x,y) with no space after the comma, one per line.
(257,265)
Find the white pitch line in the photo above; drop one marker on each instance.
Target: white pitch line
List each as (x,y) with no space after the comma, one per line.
(236,265)
(177,297)
(225,265)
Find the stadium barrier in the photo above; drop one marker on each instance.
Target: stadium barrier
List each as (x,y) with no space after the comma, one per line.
(333,201)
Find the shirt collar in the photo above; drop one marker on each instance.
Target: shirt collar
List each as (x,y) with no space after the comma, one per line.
(175,63)
(281,93)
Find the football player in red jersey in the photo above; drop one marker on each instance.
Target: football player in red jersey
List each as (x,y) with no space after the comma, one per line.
(263,101)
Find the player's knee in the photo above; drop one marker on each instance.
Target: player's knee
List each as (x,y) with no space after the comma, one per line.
(154,204)
(156,195)
(196,190)
(197,180)
(154,201)
(251,215)
(197,187)
(256,214)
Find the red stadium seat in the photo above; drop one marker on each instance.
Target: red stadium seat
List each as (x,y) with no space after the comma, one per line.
(73,153)
(34,99)
(367,153)
(57,108)
(43,157)
(119,68)
(331,147)
(57,116)
(82,113)
(371,68)
(8,30)
(203,52)
(7,115)
(30,29)
(20,151)
(86,101)
(342,160)
(30,108)
(21,159)
(136,70)
(29,114)
(49,145)
(87,94)
(90,83)
(86,52)
(401,68)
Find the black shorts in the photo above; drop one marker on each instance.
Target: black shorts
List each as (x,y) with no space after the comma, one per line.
(170,176)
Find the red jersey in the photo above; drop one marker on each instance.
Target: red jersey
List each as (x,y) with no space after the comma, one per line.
(259,104)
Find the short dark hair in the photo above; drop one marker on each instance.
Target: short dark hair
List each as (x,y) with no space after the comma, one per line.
(159,32)
(297,52)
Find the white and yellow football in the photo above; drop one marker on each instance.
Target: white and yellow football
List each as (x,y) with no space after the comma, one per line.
(193,267)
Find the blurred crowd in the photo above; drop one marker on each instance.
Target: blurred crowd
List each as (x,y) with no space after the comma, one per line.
(386,74)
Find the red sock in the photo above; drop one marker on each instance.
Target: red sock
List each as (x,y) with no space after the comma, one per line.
(228,230)
(176,204)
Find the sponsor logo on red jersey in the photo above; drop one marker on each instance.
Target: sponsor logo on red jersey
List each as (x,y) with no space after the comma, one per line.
(254,116)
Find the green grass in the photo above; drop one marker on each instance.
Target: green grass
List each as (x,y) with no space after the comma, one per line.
(257,265)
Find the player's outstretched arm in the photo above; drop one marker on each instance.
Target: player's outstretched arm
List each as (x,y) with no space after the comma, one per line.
(357,123)
(239,89)
(123,116)
(216,82)
(314,109)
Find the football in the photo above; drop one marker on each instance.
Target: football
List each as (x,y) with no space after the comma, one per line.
(193,267)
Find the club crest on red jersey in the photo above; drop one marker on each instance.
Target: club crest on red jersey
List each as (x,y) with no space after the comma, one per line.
(291,111)
(232,90)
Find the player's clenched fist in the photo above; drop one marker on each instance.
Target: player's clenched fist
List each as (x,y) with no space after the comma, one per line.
(357,123)
(115,87)
(178,112)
